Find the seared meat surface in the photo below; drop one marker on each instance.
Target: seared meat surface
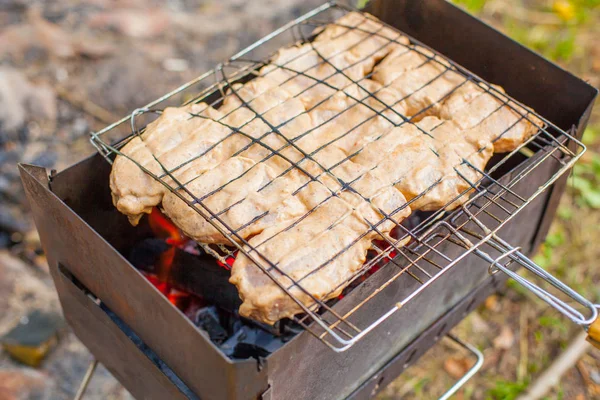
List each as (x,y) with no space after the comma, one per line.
(331,146)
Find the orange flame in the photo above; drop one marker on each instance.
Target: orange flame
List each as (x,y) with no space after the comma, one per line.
(164,229)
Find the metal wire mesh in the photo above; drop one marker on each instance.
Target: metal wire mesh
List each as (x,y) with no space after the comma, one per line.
(415,247)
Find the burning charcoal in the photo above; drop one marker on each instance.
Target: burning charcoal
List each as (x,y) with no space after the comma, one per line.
(33,337)
(285,329)
(207,319)
(231,321)
(195,305)
(272,329)
(277,329)
(413,221)
(248,350)
(202,276)
(145,254)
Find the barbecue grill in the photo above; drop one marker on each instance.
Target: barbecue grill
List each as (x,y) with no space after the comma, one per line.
(403,299)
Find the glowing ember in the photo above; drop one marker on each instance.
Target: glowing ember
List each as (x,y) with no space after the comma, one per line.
(228,261)
(164,229)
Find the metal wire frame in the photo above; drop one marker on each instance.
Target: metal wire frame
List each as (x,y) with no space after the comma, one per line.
(421,259)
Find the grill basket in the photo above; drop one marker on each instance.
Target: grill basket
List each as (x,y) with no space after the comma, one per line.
(471,229)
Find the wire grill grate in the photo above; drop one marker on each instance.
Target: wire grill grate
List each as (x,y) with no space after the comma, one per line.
(415,247)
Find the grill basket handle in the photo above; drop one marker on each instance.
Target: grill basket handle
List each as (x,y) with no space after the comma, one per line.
(590,323)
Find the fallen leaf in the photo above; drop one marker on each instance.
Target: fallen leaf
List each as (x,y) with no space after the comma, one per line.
(505,339)
(564,9)
(491,358)
(491,303)
(457,367)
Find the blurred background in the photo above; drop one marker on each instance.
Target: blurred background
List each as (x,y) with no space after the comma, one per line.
(71,67)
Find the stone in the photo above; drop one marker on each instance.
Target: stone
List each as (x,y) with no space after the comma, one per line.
(22,384)
(35,334)
(21,100)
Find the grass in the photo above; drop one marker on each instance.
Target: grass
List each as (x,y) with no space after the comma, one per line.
(506,390)
(473,6)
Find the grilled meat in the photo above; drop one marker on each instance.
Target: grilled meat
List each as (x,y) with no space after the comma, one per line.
(329,148)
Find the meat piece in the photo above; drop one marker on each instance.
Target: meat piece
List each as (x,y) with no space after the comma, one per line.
(329,148)
(298,254)
(198,138)
(459,158)
(352,118)
(213,192)
(315,152)
(337,58)
(400,61)
(277,109)
(453,105)
(314,257)
(176,142)
(506,123)
(422,90)
(434,161)
(322,248)
(421,80)
(425,161)
(269,116)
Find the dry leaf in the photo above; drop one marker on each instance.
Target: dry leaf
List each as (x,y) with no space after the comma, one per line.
(491,303)
(457,367)
(596,60)
(505,339)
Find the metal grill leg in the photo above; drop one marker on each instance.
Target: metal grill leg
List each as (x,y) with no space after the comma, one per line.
(476,367)
(86,380)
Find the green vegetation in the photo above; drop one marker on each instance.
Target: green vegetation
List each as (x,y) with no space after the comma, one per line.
(473,6)
(506,390)
(586,181)
(419,386)
(361,3)
(554,322)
